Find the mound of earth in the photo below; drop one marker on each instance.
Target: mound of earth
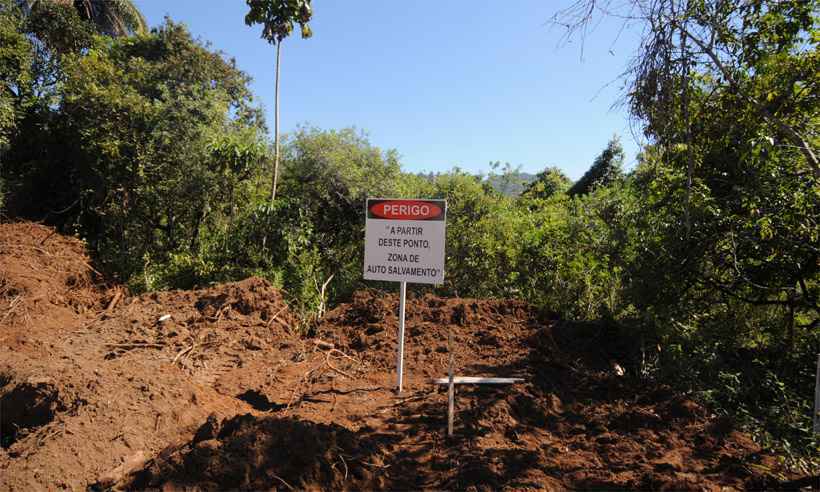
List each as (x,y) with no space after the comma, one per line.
(204,332)
(43,272)
(93,382)
(214,389)
(570,425)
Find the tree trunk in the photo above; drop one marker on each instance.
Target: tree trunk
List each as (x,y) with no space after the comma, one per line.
(790,328)
(276,129)
(200,216)
(690,164)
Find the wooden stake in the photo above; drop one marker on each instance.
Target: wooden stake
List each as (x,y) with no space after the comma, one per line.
(451,387)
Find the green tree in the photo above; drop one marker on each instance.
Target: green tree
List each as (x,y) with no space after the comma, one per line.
(111,17)
(136,153)
(728,92)
(549,182)
(729,42)
(479,259)
(277,18)
(330,175)
(16,57)
(730,216)
(607,168)
(319,220)
(32,59)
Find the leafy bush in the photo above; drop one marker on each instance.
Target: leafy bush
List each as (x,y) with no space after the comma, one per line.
(134,152)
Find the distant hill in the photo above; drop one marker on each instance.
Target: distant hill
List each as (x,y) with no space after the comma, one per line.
(511,185)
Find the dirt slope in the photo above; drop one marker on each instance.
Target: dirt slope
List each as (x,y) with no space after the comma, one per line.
(101,389)
(91,379)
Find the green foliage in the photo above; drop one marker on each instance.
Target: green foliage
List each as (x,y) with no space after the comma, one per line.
(146,112)
(277,17)
(607,168)
(59,27)
(753,200)
(478,252)
(578,251)
(314,231)
(549,182)
(150,142)
(729,270)
(329,175)
(16,56)
(745,373)
(111,17)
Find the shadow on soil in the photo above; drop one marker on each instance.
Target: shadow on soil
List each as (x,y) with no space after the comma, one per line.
(408,451)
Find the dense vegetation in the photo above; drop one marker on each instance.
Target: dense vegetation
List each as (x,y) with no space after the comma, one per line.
(703,258)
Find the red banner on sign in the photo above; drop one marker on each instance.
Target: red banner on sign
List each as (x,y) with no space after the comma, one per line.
(406,210)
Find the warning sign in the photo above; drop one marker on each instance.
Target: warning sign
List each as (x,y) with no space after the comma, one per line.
(404,240)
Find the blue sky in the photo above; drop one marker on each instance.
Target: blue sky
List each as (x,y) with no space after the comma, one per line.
(446,83)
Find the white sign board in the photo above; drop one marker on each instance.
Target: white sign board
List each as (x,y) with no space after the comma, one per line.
(404,240)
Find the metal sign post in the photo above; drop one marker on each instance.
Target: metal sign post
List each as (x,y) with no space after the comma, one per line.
(451,390)
(400,362)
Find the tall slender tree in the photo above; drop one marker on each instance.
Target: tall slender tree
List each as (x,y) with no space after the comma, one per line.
(277,18)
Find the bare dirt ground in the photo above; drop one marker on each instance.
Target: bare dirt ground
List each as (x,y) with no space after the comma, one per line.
(103,390)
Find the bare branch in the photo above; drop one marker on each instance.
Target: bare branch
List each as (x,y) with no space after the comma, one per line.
(669,26)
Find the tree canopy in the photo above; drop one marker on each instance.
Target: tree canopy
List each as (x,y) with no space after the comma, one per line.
(278,16)
(549,182)
(607,168)
(111,17)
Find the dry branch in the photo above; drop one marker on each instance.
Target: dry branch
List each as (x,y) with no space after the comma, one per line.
(273,318)
(322,343)
(341,456)
(114,301)
(282,480)
(135,344)
(334,368)
(337,351)
(183,352)
(12,306)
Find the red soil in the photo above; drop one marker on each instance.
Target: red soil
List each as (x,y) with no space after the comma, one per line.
(96,391)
